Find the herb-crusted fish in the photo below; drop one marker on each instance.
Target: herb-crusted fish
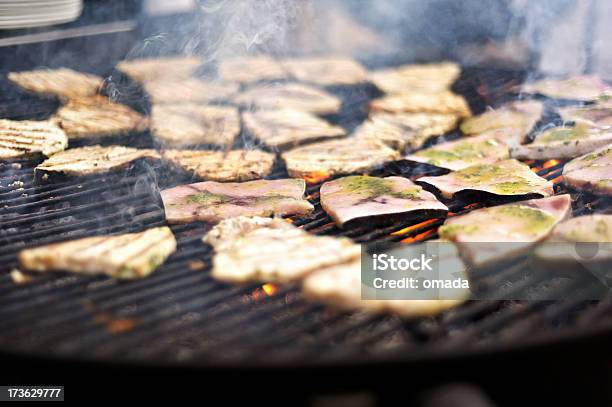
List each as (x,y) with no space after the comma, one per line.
(97,117)
(233,165)
(147,69)
(425,78)
(213,201)
(289,96)
(287,128)
(508,177)
(579,87)
(253,249)
(188,90)
(599,114)
(250,69)
(126,256)
(591,172)
(362,196)
(192,124)
(326,71)
(63,82)
(94,159)
(463,153)
(445,102)
(342,156)
(26,138)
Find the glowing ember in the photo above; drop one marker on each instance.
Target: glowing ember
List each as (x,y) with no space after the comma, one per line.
(409,228)
(418,237)
(315,177)
(558,179)
(550,163)
(269,289)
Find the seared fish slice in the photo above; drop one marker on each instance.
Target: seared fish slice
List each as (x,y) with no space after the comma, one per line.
(463,153)
(126,256)
(62,82)
(362,196)
(26,138)
(233,165)
(498,232)
(146,69)
(289,96)
(287,128)
(599,114)
(249,249)
(445,102)
(508,177)
(580,87)
(426,78)
(213,201)
(343,156)
(591,172)
(192,124)
(406,130)
(250,69)
(96,117)
(94,159)
(326,71)
(564,142)
(188,90)
(341,287)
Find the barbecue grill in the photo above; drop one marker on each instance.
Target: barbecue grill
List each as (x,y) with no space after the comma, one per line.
(180,320)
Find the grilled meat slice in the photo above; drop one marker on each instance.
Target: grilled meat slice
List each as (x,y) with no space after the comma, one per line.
(62,82)
(511,122)
(188,90)
(147,69)
(192,124)
(126,256)
(286,128)
(343,156)
(445,102)
(341,287)
(508,177)
(96,117)
(326,71)
(596,228)
(564,142)
(406,130)
(491,234)
(580,87)
(463,153)
(26,138)
(362,196)
(274,251)
(250,69)
(213,201)
(599,114)
(591,172)
(94,159)
(426,78)
(289,96)
(223,166)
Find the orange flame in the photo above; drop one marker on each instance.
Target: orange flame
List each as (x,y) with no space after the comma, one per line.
(269,289)
(409,228)
(315,177)
(550,163)
(418,237)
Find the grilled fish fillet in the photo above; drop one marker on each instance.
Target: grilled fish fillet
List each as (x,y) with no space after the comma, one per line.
(511,122)
(564,142)
(223,166)
(580,87)
(445,102)
(289,96)
(250,69)
(491,234)
(62,82)
(326,71)
(508,177)
(26,138)
(273,251)
(126,256)
(591,172)
(213,201)
(340,287)
(146,69)
(96,117)
(361,196)
(463,153)
(94,159)
(405,130)
(282,129)
(192,124)
(343,156)
(426,78)
(599,114)
(188,90)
